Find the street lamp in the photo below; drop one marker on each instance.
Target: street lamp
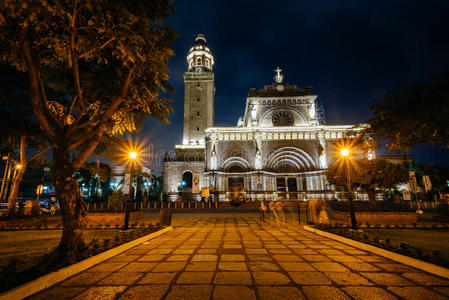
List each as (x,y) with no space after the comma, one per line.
(345,154)
(132,159)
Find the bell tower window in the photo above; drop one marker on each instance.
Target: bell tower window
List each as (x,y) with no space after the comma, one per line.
(199,61)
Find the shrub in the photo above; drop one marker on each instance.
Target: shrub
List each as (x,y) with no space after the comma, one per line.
(116,200)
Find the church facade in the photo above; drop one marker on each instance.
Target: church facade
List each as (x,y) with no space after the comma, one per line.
(278,150)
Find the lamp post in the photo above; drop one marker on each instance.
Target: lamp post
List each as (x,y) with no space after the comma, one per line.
(132,158)
(345,155)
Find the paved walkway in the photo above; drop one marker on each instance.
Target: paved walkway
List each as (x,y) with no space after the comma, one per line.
(237,257)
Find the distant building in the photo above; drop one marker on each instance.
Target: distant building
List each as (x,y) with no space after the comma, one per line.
(278,150)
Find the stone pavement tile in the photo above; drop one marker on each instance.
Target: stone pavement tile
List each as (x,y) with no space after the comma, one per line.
(169,267)
(157,278)
(232,266)
(222,292)
(347,278)
(120,278)
(142,292)
(262,266)
(319,246)
(371,258)
(59,292)
(136,252)
(190,292)
(259,257)
(442,290)
(344,247)
(152,257)
(393,267)
(324,292)
(85,278)
(425,279)
(228,278)
(281,251)
(362,267)
(294,266)
(101,293)
(305,251)
(201,266)
(415,292)
(345,258)
(204,257)
(315,257)
(232,257)
(256,251)
(270,278)
(355,252)
(232,246)
(183,251)
(309,278)
(331,252)
(159,251)
(139,267)
(279,293)
(368,293)
(195,278)
(107,267)
(178,257)
(274,246)
(124,257)
(329,267)
(387,279)
(207,251)
(293,258)
(297,246)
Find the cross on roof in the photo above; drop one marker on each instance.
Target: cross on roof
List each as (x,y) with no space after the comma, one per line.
(278,78)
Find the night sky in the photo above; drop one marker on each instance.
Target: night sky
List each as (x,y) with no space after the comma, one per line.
(350,52)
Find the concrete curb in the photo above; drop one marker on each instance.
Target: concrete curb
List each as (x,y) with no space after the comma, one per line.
(413,262)
(48,280)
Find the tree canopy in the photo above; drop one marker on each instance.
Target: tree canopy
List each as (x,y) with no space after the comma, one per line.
(415,115)
(369,175)
(94,68)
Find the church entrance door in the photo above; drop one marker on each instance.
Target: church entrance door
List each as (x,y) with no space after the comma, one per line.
(236,189)
(281,188)
(292,188)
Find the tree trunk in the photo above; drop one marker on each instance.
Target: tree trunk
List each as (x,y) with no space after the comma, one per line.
(372,198)
(73,208)
(12,200)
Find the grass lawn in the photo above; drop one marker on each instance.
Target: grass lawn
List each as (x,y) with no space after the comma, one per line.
(426,239)
(28,245)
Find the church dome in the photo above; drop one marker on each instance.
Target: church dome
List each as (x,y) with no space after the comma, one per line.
(200,57)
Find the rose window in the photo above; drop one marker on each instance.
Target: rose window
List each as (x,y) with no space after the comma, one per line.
(282,118)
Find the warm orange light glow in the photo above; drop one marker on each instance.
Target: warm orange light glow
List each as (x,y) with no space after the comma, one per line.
(344,152)
(133,155)
(18,166)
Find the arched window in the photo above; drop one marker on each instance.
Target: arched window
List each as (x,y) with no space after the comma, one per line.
(199,61)
(207,63)
(187,179)
(235,169)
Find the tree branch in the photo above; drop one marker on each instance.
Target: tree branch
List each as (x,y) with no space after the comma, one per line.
(101,126)
(38,154)
(38,107)
(85,54)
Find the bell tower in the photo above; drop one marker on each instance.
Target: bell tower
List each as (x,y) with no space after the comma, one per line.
(199,92)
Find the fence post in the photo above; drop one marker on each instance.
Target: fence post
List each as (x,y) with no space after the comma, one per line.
(307,214)
(299,215)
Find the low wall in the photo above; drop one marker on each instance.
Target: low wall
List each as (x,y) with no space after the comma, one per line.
(112,218)
(375,217)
